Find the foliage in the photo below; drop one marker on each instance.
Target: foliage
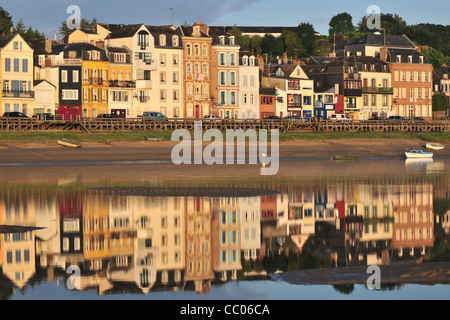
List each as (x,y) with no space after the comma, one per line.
(308,40)
(393,24)
(440,102)
(243,40)
(6,24)
(272,45)
(64,30)
(292,43)
(341,24)
(439,252)
(6,21)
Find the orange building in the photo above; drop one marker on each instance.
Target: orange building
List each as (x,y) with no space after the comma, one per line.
(197,70)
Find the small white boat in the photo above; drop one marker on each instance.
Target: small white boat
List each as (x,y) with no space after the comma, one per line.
(69,143)
(434,146)
(417,153)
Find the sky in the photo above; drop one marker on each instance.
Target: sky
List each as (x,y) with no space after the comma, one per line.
(47,15)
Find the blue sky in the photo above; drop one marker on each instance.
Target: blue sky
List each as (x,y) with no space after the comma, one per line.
(46,15)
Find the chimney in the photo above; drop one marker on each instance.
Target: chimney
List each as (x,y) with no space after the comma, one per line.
(418,49)
(285,58)
(383,54)
(100,44)
(48,45)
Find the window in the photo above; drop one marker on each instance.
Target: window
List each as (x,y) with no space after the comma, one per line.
(24,65)
(232,42)
(162,59)
(307,100)
(175,41)
(175,60)
(69,94)
(162,40)
(399,59)
(421,59)
(64,76)
(222,40)
(16,65)
(188,49)
(75,76)
(7,64)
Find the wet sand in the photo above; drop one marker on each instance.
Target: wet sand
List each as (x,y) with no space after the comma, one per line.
(151,161)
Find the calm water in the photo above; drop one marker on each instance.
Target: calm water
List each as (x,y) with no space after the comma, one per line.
(95,235)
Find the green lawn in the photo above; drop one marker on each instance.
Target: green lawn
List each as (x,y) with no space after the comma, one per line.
(53,136)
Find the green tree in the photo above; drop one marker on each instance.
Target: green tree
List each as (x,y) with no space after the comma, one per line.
(241,39)
(6,21)
(392,23)
(440,102)
(308,39)
(341,24)
(292,43)
(272,45)
(64,30)
(256,41)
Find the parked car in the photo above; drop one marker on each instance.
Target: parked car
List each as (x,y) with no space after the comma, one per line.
(339,117)
(106,116)
(272,118)
(294,118)
(417,119)
(46,116)
(376,118)
(15,114)
(396,118)
(153,115)
(212,117)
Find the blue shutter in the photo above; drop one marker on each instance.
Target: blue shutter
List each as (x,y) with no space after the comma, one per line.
(220,59)
(16,65)
(228,59)
(228,78)
(25,65)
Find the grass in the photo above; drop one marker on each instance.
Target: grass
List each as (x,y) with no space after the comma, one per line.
(107,137)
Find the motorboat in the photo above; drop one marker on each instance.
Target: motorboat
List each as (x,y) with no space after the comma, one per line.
(418,153)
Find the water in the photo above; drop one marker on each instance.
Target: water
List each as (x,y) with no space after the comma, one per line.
(151,231)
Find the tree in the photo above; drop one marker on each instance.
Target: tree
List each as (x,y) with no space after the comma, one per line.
(6,21)
(292,43)
(64,30)
(341,24)
(256,41)
(392,23)
(241,39)
(440,102)
(272,45)
(308,39)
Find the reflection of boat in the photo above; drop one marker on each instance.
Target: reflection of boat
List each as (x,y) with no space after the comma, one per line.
(346,158)
(69,143)
(418,162)
(417,153)
(434,146)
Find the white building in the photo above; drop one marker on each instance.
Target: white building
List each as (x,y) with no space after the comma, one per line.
(248,86)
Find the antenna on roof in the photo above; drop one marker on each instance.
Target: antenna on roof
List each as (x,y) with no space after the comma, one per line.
(171,12)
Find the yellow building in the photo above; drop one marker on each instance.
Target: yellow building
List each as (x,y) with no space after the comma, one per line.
(94,68)
(17,74)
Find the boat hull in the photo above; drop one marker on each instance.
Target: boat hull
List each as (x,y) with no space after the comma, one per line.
(434,146)
(68,143)
(418,155)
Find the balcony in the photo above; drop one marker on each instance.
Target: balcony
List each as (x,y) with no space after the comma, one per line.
(122,84)
(382,90)
(17,94)
(353,92)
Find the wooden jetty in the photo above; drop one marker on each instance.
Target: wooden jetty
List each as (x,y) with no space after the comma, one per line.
(140,124)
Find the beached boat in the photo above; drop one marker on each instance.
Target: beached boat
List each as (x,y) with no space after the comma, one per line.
(434,146)
(417,153)
(69,143)
(346,158)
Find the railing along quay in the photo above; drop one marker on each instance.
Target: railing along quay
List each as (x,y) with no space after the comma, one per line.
(139,124)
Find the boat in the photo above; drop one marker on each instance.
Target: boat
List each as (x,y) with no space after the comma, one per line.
(69,143)
(345,158)
(434,146)
(417,153)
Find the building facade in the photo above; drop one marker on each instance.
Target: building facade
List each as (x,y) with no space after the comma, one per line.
(17,74)
(197,58)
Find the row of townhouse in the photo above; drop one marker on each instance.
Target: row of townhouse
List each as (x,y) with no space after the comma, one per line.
(192,71)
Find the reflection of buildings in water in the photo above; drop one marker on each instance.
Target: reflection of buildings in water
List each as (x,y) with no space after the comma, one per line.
(18,249)
(250,208)
(274,213)
(413,220)
(198,236)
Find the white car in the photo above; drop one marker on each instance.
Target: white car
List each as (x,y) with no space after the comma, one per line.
(339,117)
(212,117)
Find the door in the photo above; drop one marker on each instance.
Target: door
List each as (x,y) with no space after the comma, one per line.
(197,112)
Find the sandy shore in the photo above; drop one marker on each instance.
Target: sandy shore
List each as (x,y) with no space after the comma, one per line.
(161,150)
